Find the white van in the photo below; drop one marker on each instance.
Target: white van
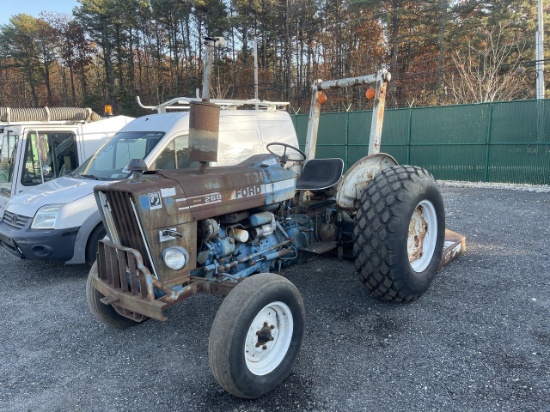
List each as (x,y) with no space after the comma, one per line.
(59,220)
(39,145)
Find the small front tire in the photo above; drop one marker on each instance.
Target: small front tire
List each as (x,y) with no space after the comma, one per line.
(105,313)
(256,335)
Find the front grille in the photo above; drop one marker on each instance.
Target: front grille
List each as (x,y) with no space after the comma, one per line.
(127,226)
(14,220)
(119,268)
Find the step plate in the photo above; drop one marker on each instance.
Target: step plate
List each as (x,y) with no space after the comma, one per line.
(321,247)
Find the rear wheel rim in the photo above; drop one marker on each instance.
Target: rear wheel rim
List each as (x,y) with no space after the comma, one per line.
(422,236)
(268,338)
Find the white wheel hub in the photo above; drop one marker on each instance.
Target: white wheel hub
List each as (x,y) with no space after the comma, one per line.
(422,236)
(268,338)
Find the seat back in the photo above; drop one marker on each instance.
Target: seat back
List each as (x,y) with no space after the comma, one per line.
(319,174)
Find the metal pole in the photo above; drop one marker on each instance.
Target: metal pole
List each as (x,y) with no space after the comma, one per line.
(313,123)
(256,68)
(441,59)
(375,137)
(540,53)
(208,69)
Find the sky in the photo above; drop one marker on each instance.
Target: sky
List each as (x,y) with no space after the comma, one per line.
(9,8)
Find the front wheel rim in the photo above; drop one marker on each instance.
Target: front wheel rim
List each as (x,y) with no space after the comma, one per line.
(268,338)
(422,236)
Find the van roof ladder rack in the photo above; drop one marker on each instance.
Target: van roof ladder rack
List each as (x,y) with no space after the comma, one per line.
(182,103)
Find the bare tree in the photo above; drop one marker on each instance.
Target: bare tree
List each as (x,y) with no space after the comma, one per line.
(488,69)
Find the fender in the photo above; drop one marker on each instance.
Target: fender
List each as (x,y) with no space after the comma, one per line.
(79,255)
(358,176)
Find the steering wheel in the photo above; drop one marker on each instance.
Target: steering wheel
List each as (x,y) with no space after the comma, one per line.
(284,158)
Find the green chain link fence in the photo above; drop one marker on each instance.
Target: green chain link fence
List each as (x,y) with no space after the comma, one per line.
(488,142)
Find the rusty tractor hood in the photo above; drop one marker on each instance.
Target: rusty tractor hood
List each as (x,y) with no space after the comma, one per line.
(190,195)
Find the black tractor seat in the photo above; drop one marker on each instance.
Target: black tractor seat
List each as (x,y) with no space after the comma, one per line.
(319,174)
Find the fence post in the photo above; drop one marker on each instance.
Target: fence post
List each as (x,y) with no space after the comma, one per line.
(409,136)
(346,160)
(488,143)
(540,121)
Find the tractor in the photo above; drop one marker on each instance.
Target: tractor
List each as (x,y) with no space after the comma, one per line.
(231,230)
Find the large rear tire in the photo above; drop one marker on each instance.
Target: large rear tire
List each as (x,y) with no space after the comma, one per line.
(399,233)
(256,335)
(105,313)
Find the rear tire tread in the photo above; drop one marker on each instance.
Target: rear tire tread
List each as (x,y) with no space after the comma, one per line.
(376,233)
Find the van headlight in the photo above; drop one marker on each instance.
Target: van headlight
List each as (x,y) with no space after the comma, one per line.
(45,217)
(175,257)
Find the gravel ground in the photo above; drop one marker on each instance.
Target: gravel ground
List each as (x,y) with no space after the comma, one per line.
(478,340)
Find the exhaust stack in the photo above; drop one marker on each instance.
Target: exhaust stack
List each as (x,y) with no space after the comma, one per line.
(204,117)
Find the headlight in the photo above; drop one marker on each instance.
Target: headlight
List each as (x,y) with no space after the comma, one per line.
(45,217)
(175,257)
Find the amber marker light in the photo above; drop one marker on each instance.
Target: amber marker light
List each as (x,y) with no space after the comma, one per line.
(370,93)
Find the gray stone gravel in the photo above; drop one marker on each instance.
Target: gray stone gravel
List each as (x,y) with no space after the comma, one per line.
(478,340)
(501,186)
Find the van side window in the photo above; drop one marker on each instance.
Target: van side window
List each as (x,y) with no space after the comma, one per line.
(237,144)
(175,155)
(48,155)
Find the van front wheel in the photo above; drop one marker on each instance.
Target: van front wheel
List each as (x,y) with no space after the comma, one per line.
(91,247)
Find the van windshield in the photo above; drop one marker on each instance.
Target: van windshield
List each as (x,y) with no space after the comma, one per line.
(110,161)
